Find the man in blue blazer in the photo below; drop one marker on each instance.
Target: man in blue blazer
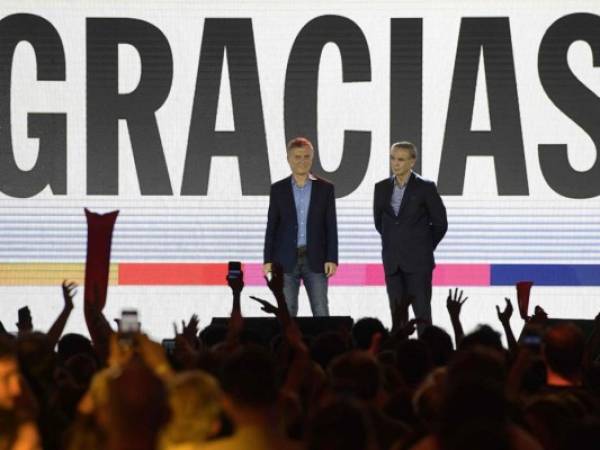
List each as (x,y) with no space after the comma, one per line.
(411,218)
(301,231)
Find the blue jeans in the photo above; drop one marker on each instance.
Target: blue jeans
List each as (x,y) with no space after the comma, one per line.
(315,284)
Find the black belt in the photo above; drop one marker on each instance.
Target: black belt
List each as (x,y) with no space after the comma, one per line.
(301,251)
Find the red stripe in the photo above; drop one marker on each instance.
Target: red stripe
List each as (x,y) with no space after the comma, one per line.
(207,274)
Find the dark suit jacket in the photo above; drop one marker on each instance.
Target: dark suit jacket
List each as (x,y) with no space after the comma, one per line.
(409,238)
(281,237)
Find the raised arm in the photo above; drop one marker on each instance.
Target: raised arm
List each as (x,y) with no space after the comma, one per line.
(98,327)
(236,321)
(454,303)
(69,290)
(275,284)
(504,317)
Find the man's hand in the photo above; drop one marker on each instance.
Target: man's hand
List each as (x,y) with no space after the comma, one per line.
(454,303)
(266,268)
(69,290)
(504,316)
(330,269)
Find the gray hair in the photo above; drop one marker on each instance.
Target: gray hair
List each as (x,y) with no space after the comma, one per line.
(405,145)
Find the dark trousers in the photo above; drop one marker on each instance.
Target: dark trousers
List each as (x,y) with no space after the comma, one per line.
(416,285)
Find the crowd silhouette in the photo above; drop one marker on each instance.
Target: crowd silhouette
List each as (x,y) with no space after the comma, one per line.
(364,388)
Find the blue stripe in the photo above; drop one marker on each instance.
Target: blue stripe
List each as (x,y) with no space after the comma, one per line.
(546,274)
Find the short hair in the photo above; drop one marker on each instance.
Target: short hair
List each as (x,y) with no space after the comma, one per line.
(439,343)
(405,145)
(364,329)
(484,336)
(72,344)
(563,349)
(299,142)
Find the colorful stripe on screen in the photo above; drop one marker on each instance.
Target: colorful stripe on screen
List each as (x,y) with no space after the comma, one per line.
(349,274)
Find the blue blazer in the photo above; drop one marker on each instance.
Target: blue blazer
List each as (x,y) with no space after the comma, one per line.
(281,236)
(409,238)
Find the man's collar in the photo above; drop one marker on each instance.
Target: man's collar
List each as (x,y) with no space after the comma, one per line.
(310,177)
(395,183)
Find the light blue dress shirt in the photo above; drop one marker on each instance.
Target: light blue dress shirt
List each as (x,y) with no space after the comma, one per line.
(302,201)
(397,195)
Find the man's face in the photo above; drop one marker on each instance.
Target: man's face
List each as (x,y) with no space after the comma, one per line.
(10,384)
(300,160)
(401,162)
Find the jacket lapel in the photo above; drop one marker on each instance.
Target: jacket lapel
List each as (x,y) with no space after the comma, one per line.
(387,193)
(290,194)
(313,188)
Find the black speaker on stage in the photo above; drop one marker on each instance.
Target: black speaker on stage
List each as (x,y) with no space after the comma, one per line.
(586,326)
(267,327)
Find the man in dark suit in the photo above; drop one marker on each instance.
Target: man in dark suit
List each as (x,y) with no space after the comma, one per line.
(411,219)
(301,231)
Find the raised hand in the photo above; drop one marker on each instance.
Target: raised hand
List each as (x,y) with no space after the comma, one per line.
(539,316)
(236,283)
(275,281)
(25,322)
(190,331)
(69,290)
(266,306)
(505,315)
(454,302)
(54,333)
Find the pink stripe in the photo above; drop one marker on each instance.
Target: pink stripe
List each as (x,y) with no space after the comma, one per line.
(253,275)
(461,275)
(372,275)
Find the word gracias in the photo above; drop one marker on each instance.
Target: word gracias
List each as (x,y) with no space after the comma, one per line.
(489,36)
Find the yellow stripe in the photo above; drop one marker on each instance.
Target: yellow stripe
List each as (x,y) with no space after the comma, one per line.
(48,274)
